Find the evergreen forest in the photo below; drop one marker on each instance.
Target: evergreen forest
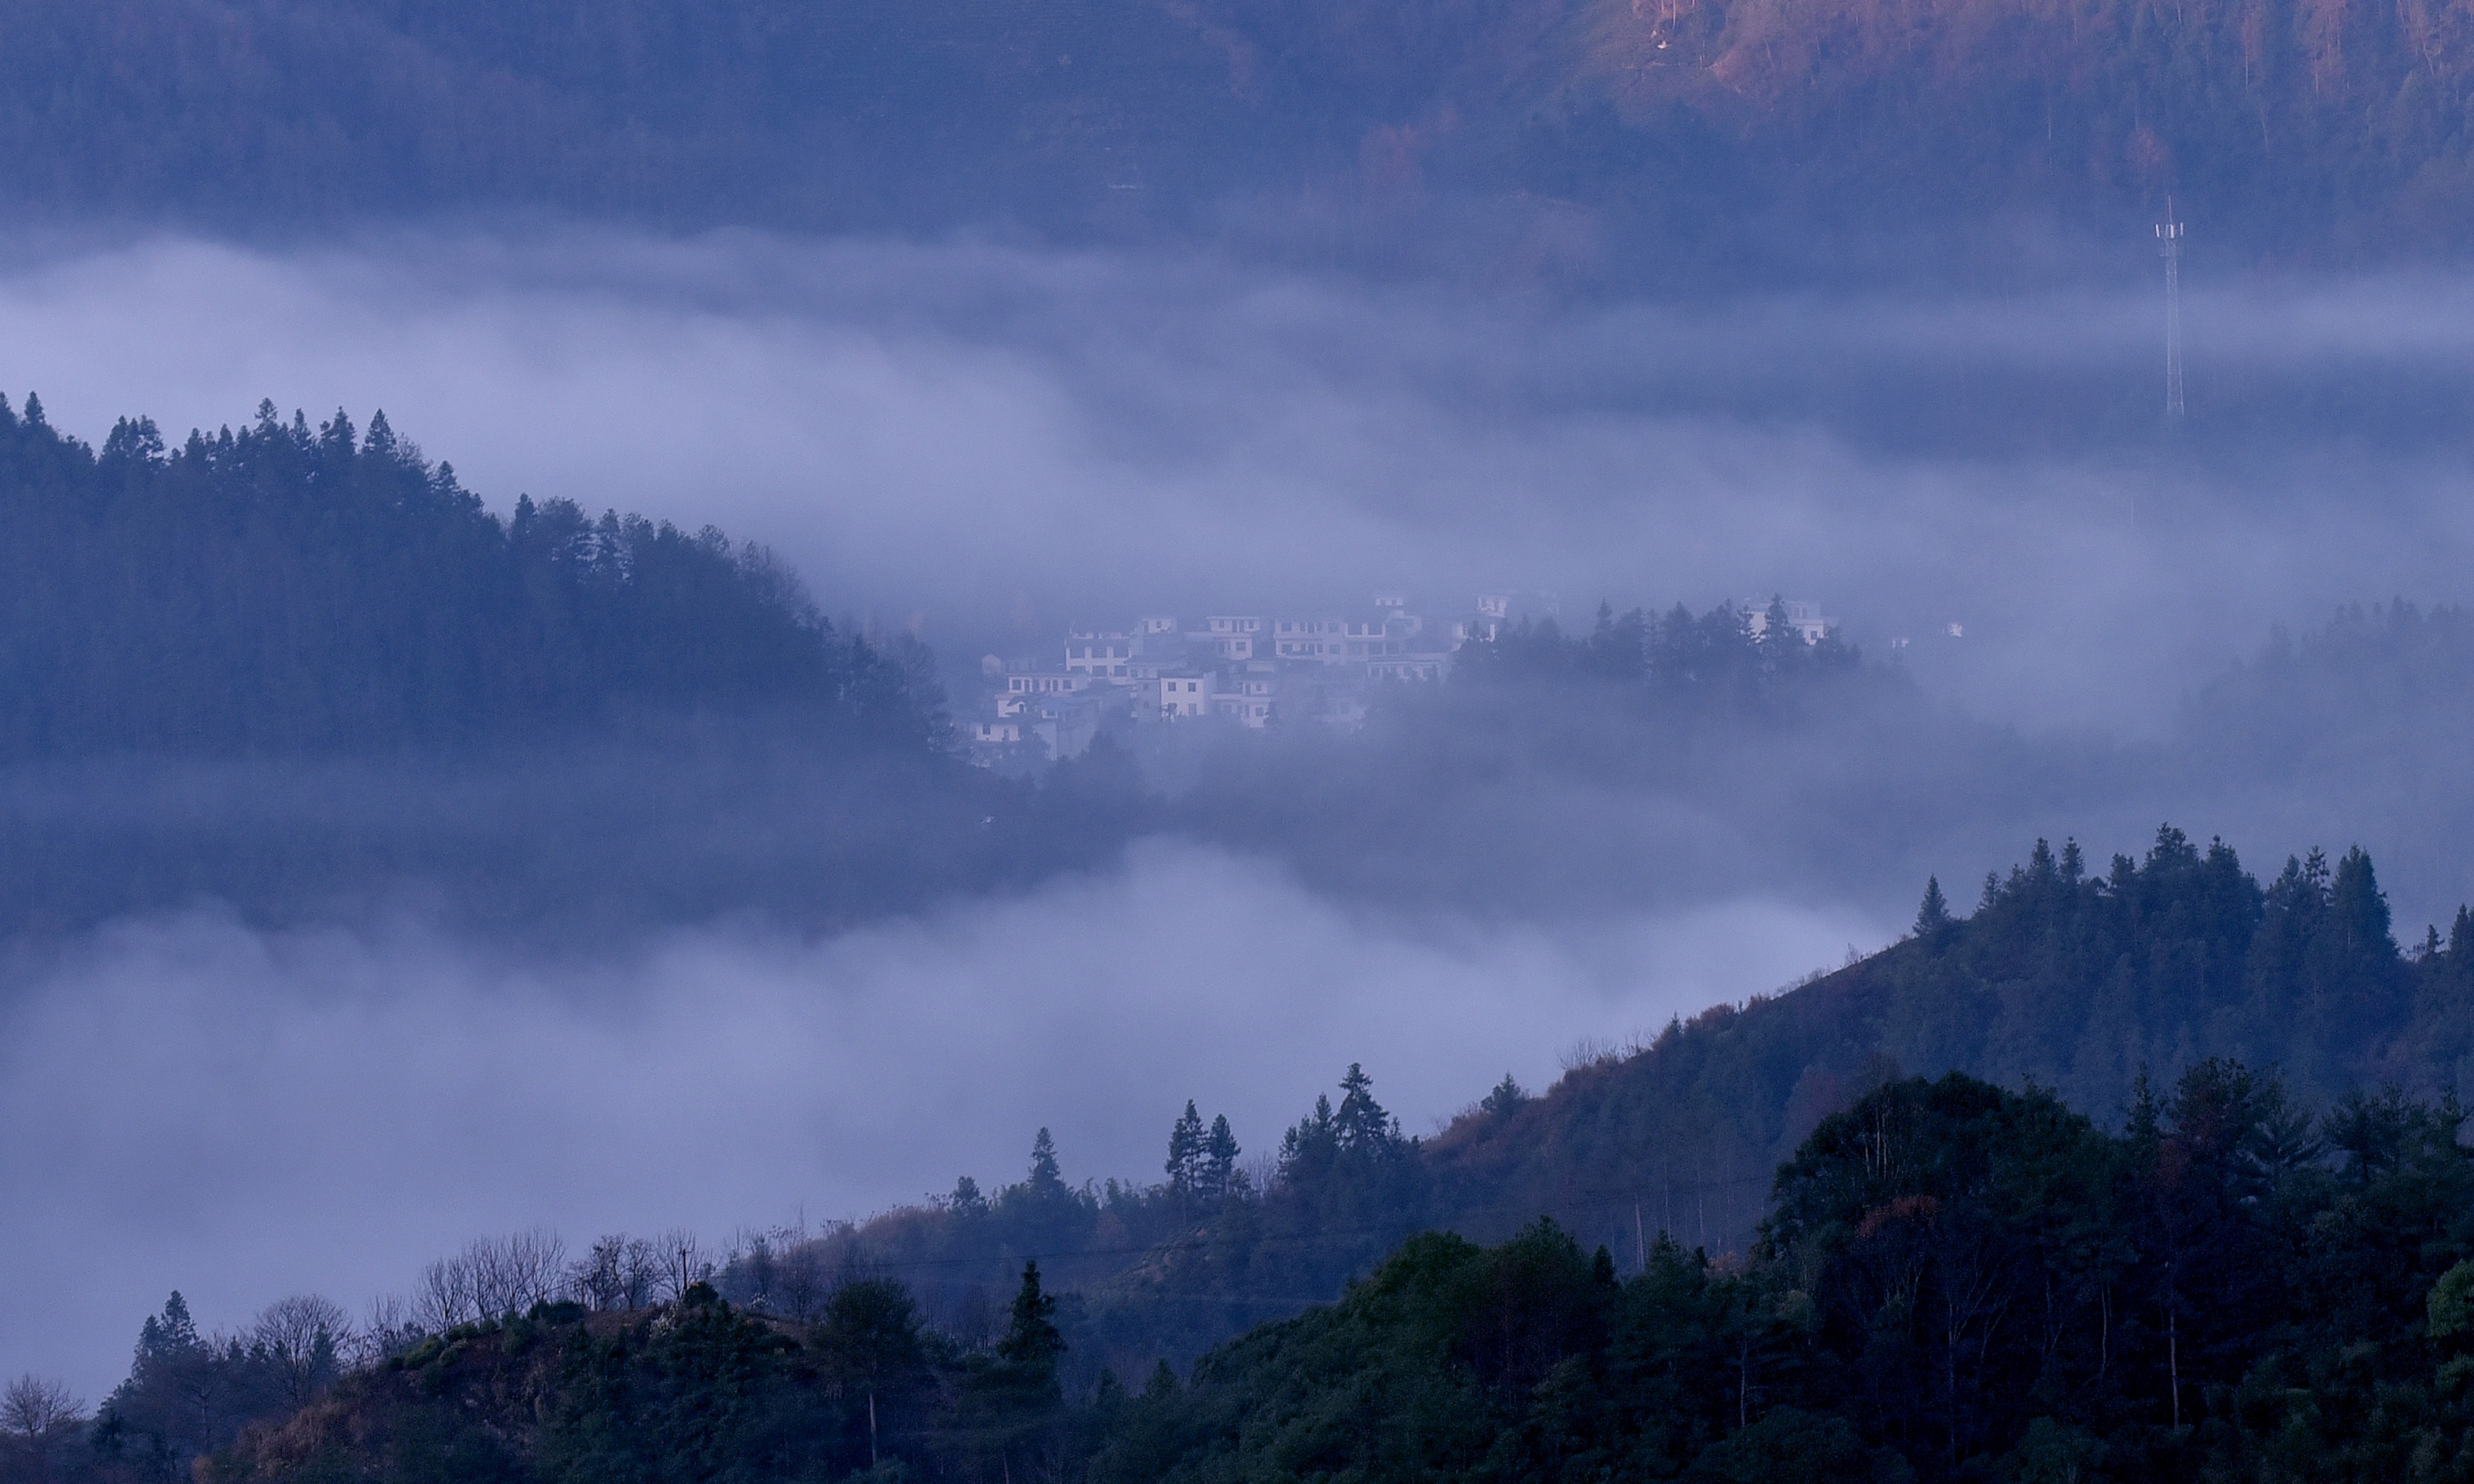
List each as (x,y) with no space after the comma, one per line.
(302,672)
(1952,1281)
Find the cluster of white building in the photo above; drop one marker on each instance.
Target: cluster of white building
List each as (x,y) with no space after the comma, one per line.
(1246,669)
(1243,669)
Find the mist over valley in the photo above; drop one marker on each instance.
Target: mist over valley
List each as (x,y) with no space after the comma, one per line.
(1873,900)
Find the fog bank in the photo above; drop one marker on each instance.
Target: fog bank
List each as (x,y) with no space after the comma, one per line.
(987,443)
(241,1115)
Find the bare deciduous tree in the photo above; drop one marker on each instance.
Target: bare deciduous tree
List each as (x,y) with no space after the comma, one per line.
(36,1409)
(758,1270)
(491,1276)
(37,1417)
(683,1262)
(801,1282)
(304,1338)
(390,1330)
(511,1274)
(597,1279)
(619,1273)
(443,1297)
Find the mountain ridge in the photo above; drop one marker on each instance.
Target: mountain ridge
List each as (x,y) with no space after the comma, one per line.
(1581,140)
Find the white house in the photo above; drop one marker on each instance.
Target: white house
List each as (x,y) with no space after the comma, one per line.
(1024,686)
(1100,655)
(1316,639)
(1804,617)
(1249,710)
(1178,692)
(1407,667)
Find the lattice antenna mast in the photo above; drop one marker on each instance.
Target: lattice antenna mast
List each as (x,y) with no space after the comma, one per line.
(2168,245)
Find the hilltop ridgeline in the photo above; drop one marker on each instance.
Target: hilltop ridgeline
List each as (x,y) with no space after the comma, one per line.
(2092,985)
(1571,139)
(1952,1283)
(303,672)
(1802,1256)
(286,591)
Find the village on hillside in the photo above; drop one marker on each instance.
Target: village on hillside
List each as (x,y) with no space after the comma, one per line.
(1244,670)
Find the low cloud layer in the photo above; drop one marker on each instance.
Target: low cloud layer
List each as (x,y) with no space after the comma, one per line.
(240,1116)
(989,442)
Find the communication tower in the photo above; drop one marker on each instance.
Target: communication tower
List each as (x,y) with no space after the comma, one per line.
(2168,245)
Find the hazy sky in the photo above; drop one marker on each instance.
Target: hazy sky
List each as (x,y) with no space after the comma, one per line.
(996,441)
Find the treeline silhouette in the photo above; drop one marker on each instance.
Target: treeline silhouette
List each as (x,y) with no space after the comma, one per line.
(1806,1262)
(285,590)
(303,672)
(1728,654)
(1951,1281)
(2099,985)
(2089,983)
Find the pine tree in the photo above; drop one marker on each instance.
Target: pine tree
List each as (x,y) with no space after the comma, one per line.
(1185,1154)
(1361,1125)
(1933,917)
(172,1336)
(1032,1343)
(1219,1174)
(869,1343)
(1046,1180)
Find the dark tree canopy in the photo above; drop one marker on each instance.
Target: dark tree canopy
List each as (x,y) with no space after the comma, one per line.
(288,590)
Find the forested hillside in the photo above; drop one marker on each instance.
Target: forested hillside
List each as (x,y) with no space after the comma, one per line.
(288,591)
(1951,1281)
(1608,138)
(302,672)
(2066,977)
(2100,985)
(2252,1243)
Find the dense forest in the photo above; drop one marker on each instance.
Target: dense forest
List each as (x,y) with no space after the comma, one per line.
(290,591)
(302,672)
(1951,1281)
(1577,138)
